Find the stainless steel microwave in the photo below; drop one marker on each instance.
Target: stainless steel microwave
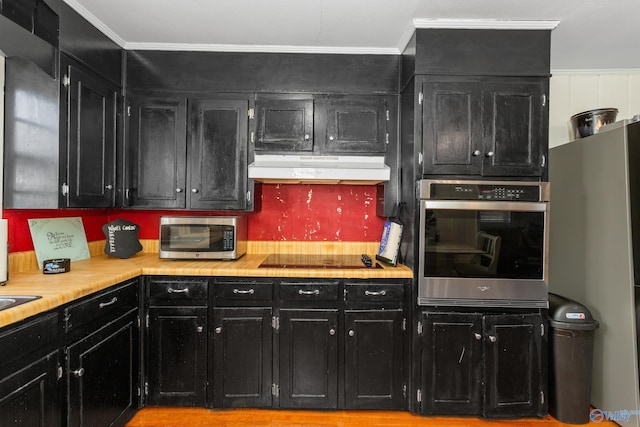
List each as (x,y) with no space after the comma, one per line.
(215,237)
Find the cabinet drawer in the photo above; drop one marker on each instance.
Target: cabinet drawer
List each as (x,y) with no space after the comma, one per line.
(18,341)
(309,291)
(168,291)
(244,290)
(109,303)
(374,292)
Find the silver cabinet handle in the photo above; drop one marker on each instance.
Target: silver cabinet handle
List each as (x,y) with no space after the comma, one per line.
(476,153)
(194,190)
(351,332)
(490,154)
(492,338)
(179,190)
(178,291)
(477,336)
(218,330)
(108,187)
(313,292)
(78,372)
(241,292)
(331,138)
(332,331)
(199,329)
(307,137)
(106,304)
(375,293)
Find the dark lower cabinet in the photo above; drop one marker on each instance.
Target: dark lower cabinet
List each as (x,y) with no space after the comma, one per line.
(514,356)
(29,396)
(374,359)
(484,364)
(242,357)
(176,359)
(102,374)
(452,364)
(308,358)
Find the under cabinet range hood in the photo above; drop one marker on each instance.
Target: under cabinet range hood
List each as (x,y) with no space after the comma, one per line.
(307,169)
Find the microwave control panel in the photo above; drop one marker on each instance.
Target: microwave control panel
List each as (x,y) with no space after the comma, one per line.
(488,192)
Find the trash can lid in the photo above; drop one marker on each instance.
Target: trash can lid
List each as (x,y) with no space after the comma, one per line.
(568,314)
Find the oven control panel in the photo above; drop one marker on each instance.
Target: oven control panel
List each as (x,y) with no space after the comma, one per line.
(488,192)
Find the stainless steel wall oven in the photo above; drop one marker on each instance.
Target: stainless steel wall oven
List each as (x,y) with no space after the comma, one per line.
(483,243)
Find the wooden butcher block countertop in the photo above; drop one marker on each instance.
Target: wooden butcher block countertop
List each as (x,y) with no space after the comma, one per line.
(100,272)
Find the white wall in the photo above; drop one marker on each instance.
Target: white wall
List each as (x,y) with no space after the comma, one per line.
(573,92)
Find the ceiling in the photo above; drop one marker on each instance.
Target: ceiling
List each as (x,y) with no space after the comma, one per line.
(587,34)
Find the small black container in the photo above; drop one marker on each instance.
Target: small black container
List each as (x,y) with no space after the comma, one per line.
(571,357)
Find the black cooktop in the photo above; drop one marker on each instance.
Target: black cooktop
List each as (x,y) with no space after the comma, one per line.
(314,261)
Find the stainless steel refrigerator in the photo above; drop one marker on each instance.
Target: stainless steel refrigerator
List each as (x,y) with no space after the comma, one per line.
(594,232)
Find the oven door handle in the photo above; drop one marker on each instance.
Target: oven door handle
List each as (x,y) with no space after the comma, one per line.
(483,205)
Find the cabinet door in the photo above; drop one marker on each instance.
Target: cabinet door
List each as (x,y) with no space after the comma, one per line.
(90,106)
(157,149)
(102,375)
(308,359)
(513,357)
(176,356)
(452,364)
(29,396)
(357,125)
(374,359)
(242,357)
(218,154)
(284,124)
(514,123)
(452,128)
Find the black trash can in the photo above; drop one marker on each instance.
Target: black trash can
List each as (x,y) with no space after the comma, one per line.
(570,359)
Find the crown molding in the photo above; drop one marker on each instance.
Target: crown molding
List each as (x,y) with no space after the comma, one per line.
(591,72)
(96,22)
(484,24)
(260,48)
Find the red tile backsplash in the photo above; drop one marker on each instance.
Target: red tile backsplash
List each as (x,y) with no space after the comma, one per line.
(289,212)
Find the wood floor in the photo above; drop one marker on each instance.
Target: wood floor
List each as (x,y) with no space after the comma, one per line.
(200,417)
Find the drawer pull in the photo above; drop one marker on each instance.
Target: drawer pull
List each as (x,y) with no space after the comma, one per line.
(313,292)
(78,372)
(375,293)
(106,304)
(242,292)
(178,291)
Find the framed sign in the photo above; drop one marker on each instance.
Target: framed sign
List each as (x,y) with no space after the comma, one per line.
(59,238)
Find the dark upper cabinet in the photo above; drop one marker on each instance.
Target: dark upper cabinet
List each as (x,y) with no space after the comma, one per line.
(157,148)
(374,359)
(184,156)
(485,127)
(284,123)
(308,358)
(218,154)
(357,125)
(87,137)
(322,124)
(489,364)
